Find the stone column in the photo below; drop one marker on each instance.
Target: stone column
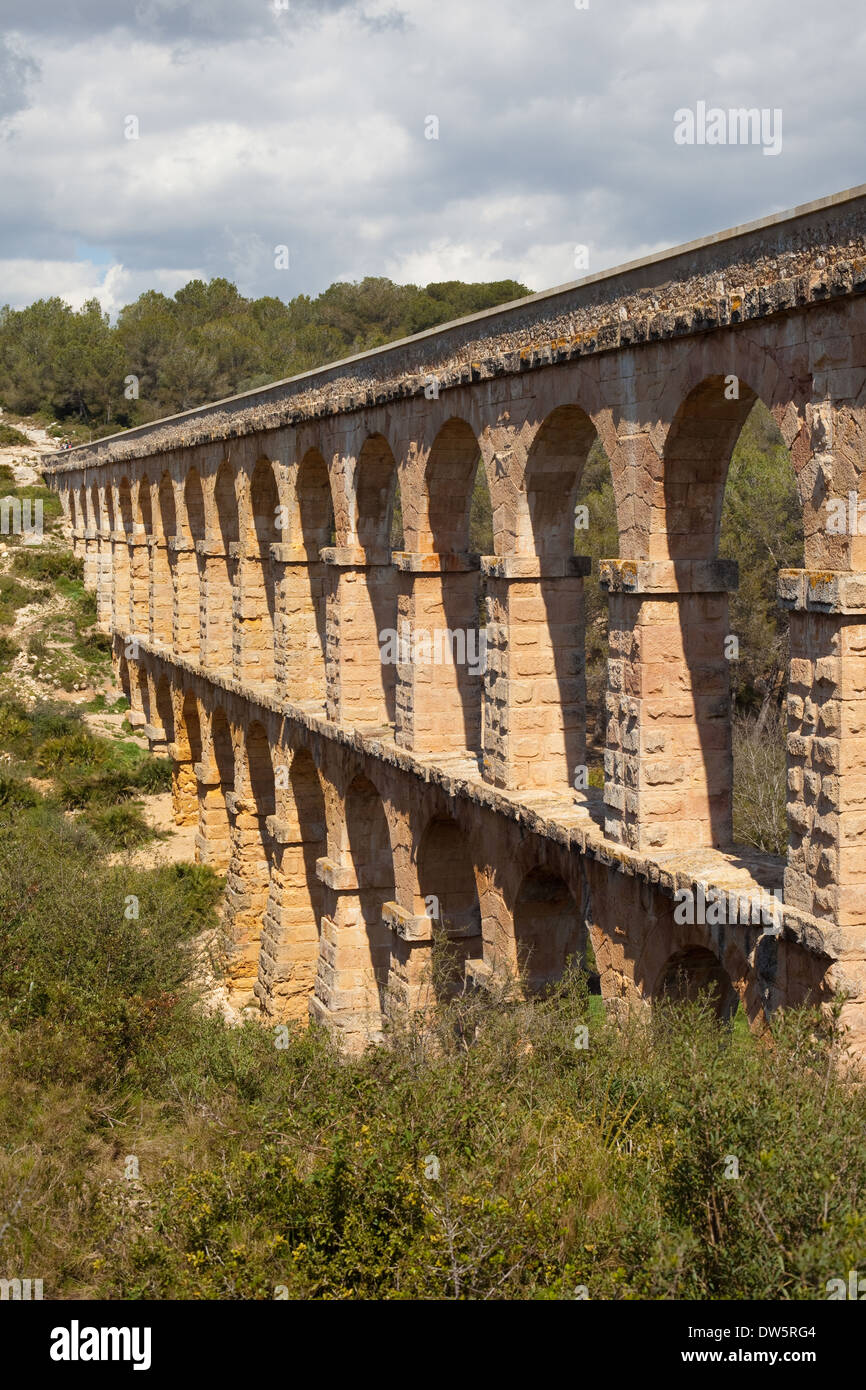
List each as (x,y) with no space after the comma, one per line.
(360,605)
(440,653)
(216,571)
(826,873)
(161,593)
(290,934)
(349,974)
(213,841)
(299,638)
(535,677)
(668,761)
(121,596)
(139,583)
(247,887)
(104,561)
(186,598)
(253,636)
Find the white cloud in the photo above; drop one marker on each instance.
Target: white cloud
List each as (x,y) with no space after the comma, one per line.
(307,129)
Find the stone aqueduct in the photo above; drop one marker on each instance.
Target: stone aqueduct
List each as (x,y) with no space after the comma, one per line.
(241,557)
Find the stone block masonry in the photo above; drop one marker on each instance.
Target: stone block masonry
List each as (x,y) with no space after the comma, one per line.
(363,808)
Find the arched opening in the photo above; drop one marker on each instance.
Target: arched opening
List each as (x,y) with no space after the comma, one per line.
(450,478)
(596,536)
(449,604)
(305,582)
(193,497)
(144,694)
(140,559)
(95,509)
(544,617)
(548,931)
(694,971)
(681,641)
(293,921)
(448,894)
(220,572)
(259,633)
(373,610)
(145,506)
(250,867)
(123,676)
(164,564)
(165,708)
(188,752)
(124,499)
(215,823)
(123,616)
(761,528)
(370,848)
(167,509)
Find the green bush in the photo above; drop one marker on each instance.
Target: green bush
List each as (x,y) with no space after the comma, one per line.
(8,652)
(119,827)
(9,435)
(47,565)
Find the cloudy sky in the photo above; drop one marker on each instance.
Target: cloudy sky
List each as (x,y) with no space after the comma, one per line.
(307,124)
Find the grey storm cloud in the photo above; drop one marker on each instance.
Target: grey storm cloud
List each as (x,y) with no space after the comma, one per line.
(205,21)
(308,127)
(18,72)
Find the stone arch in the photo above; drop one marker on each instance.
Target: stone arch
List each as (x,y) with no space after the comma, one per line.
(302,607)
(215,825)
(145,506)
(220,572)
(124,678)
(165,708)
(167,508)
(369,844)
(692,970)
(226,501)
(554,466)
(449,478)
(293,921)
(446,875)
(698,451)
(260,579)
(375,489)
(124,500)
(164,562)
(194,506)
(548,930)
(95,508)
(187,754)
(143,691)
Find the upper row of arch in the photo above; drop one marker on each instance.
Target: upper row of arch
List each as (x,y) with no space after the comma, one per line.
(668,463)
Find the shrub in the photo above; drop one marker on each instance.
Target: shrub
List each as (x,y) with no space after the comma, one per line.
(47,565)
(119,827)
(9,436)
(8,652)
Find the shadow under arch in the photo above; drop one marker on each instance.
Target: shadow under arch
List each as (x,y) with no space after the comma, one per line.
(306,582)
(554,468)
(264,506)
(549,931)
(369,842)
(293,922)
(694,970)
(450,479)
(376,485)
(449,895)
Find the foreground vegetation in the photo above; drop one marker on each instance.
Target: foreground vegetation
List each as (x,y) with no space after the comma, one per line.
(150,1151)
